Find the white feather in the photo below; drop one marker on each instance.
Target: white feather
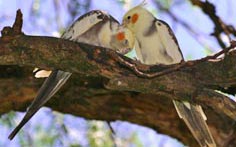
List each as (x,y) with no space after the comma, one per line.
(83,24)
(169,42)
(42,74)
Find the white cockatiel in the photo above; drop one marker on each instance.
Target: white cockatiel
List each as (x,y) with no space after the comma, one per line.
(96,28)
(156,44)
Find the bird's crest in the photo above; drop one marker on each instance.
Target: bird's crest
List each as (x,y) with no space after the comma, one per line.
(142,4)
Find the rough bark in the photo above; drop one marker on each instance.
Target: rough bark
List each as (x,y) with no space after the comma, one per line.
(103,87)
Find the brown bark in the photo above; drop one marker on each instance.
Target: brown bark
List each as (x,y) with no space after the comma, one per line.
(103,88)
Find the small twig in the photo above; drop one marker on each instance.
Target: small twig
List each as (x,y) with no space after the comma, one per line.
(17,26)
(130,65)
(113,133)
(175,67)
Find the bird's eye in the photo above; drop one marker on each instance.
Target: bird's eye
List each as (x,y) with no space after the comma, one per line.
(128,17)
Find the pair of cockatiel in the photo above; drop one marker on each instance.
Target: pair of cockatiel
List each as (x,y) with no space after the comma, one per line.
(154,43)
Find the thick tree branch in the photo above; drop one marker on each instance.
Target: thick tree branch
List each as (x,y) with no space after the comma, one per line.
(103,88)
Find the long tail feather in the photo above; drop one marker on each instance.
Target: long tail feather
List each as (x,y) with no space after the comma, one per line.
(50,86)
(195,119)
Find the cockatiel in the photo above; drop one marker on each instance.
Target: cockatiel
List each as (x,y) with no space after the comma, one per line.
(156,44)
(95,28)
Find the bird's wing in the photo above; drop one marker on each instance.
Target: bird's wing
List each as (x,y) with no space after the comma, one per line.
(50,86)
(100,33)
(85,22)
(81,29)
(195,120)
(169,41)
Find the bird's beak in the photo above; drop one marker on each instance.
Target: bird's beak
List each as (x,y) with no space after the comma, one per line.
(125,23)
(125,51)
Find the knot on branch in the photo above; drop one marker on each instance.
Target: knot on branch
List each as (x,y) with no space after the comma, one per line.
(9,32)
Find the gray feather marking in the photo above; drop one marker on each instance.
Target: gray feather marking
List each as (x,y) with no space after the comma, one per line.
(152,29)
(167,57)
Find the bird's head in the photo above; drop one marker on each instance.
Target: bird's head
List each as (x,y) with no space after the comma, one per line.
(122,40)
(137,17)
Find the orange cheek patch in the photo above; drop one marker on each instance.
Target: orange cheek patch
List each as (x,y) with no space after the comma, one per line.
(120,36)
(134,18)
